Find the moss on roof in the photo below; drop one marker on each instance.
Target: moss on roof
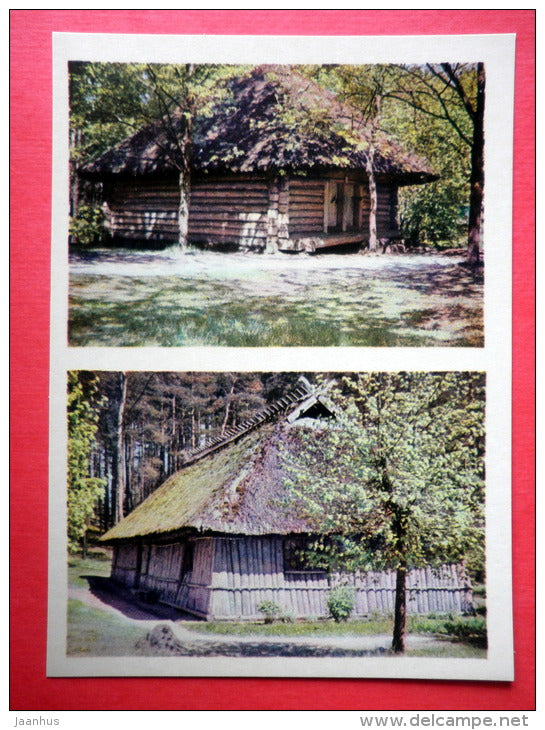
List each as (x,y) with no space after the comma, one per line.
(238,489)
(272,118)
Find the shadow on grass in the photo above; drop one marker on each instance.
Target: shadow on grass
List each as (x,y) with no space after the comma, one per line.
(129,603)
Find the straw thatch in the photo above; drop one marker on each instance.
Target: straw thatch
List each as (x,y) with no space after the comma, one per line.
(231,485)
(271,119)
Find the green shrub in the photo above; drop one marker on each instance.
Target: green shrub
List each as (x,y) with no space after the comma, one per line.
(472,631)
(270,610)
(288,617)
(87,226)
(341,602)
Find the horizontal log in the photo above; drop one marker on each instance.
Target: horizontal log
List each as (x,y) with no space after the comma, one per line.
(204,206)
(238,188)
(219,226)
(141,187)
(301,215)
(145,206)
(230,234)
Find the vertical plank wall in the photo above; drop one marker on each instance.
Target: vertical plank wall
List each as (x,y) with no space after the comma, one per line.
(232,576)
(249,570)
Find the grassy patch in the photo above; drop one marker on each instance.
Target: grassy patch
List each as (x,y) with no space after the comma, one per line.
(97,563)
(92,632)
(441,626)
(258,302)
(298,628)
(448,650)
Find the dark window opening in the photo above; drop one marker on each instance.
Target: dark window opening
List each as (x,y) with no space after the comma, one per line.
(188,557)
(297,556)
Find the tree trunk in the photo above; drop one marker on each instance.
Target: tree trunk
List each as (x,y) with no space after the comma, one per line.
(120,451)
(372,200)
(477,173)
(183,208)
(400,611)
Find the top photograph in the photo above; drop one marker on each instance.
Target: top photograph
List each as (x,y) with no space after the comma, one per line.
(276,205)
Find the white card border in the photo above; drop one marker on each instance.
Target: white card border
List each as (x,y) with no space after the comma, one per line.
(497,52)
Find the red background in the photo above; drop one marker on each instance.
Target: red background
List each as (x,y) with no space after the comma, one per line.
(30,247)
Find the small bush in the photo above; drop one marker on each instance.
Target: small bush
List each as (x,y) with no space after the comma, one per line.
(472,631)
(341,602)
(87,227)
(270,610)
(288,617)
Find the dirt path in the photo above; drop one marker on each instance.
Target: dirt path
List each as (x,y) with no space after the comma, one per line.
(167,636)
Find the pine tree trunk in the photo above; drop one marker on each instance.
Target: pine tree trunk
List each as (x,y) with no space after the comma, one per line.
(477,173)
(120,451)
(400,611)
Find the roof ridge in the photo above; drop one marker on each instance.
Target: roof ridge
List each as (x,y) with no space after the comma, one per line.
(299,393)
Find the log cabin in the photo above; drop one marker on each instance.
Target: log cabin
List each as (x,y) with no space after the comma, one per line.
(223,534)
(278,163)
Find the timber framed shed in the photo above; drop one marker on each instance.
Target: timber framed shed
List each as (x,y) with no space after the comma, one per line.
(223,534)
(278,164)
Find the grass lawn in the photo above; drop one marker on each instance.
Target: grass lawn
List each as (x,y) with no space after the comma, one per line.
(444,627)
(96,632)
(136,299)
(98,563)
(93,632)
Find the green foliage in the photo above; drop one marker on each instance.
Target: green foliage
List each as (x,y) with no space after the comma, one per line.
(341,602)
(288,617)
(433,214)
(110,101)
(87,226)
(84,490)
(399,477)
(470,630)
(422,107)
(270,610)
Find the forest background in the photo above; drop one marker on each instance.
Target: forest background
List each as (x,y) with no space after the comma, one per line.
(128,433)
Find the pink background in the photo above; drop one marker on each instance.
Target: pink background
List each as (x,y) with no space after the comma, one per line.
(30,247)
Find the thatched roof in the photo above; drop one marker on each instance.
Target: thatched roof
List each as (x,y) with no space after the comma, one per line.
(271,118)
(234,485)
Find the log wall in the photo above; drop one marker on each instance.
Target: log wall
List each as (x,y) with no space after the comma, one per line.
(387,224)
(306,207)
(249,212)
(145,212)
(230,211)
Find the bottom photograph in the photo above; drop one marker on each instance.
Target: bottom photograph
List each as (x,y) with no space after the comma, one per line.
(276,515)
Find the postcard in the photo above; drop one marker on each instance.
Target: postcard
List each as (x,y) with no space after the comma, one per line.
(280,357)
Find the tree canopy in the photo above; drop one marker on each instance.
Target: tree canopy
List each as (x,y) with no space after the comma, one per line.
(398,480)
(437,110)
(84,489)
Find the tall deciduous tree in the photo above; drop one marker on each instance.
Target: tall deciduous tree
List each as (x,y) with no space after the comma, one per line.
(109,101)
(398,481)
(454,94)
(84,489)
(437,110)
